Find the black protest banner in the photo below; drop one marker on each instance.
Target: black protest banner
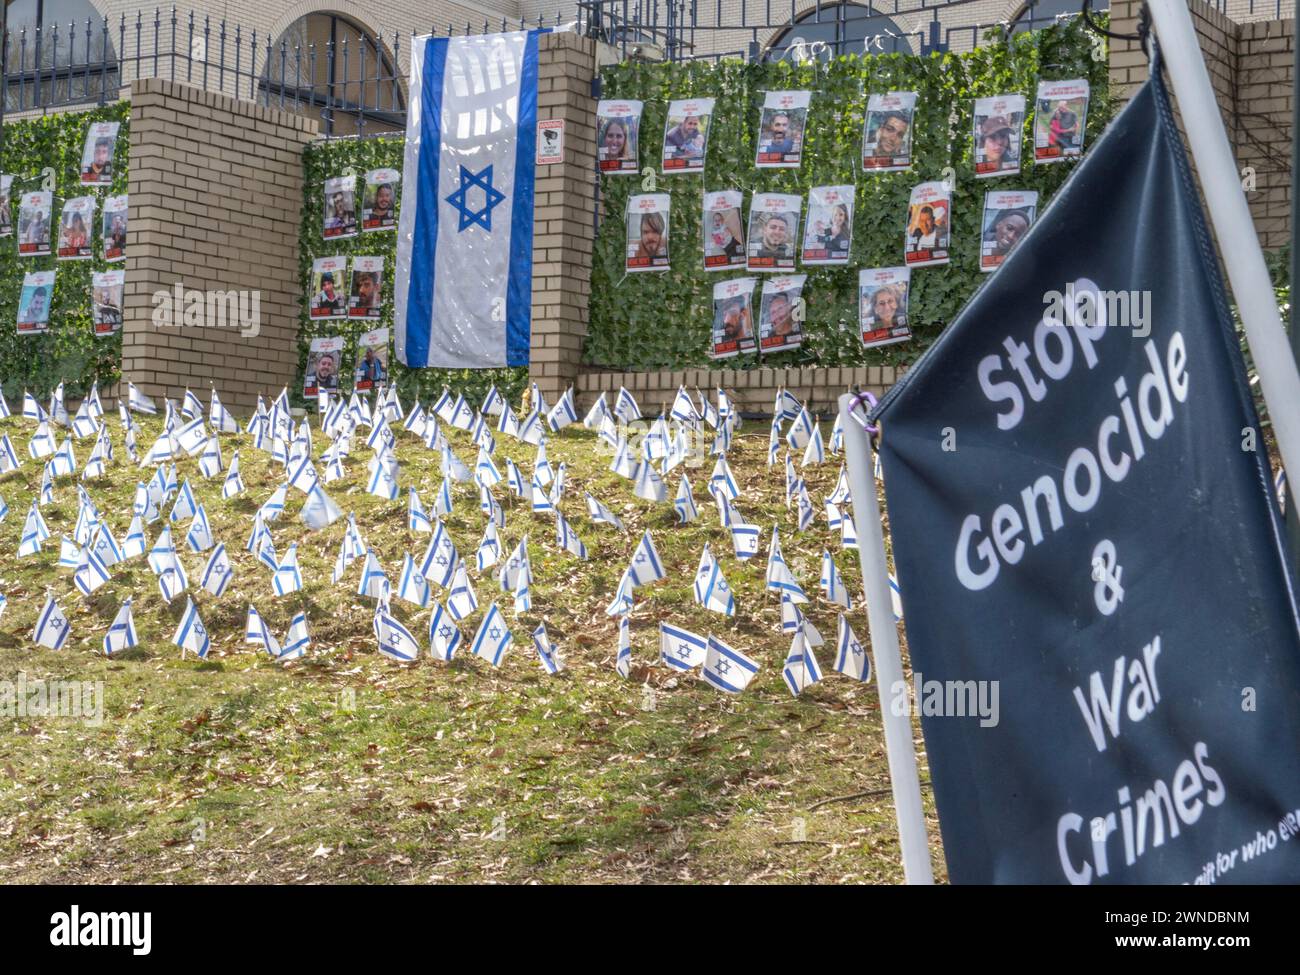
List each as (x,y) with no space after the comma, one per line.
(1105,646)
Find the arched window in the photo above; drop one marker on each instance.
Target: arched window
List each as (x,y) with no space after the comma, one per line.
(333,68)
(1037,14)
(830,30)
(57,52)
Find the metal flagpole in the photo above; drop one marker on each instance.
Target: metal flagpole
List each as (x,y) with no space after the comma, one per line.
(1292,510)
(1279,378)
(884,648)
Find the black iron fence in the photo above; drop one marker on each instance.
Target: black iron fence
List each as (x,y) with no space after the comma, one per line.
(356,84)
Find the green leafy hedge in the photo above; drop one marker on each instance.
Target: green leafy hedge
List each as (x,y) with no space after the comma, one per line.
(339,157)
(69,351)
(663,320)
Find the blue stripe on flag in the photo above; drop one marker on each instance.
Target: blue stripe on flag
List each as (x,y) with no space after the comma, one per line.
(519,290)
(424,244)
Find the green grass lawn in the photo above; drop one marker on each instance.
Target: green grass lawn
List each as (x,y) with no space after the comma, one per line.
(349,767)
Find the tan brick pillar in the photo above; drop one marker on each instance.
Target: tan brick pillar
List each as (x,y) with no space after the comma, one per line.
(216,198)
(563,230)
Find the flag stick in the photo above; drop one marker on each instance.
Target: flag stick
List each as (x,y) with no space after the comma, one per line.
(1230,217)
(883,635)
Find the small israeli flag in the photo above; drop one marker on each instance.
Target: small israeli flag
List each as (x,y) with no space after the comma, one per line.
(440,558)
(599,410)
(395,640)
(726,668)
(562,413)
(492,403)
(191,437)
(489,549)
(218,572)
(801,670)
(833,587)
(234,483)
(493,637)
(416,518)
(645,567)
(681,649)
(383,483)
(625,407)
(515,567)
(624,464)
(83,424)
(69,553)
(256,631)
(601,514)
(52,627)
(647,484)
(711,589)
(34,532)
(8,458)
(134,544)
(895,598)
(32,409)
(532,430)
(684,503)
(815,452)
(547,655)
(199,537)
(723,481)
(287,577)
(42,442)
(621,604)
(442,502)
(319,510)
(412,586)
(509,423)
(444,635)
(848,533)
(567,539)
(779,577)
(219,418)
(806,510)
(801,431)
(684,407)
(303,475)
(787,406)
(91,572)
(415,420)
(744,539)
(374,583)
(191,634)
(462,601)
(851,658)
(121,634)
(185,506)
(792,621)
(138,401)
(485,471)
(655,443)
(623,661)
(296,640)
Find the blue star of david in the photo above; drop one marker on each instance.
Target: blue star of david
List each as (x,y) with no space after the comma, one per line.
(494,633)
(856,648)
(444,631)
(723,666)
(684,650)
(640,559)
(441,560)
(491,197)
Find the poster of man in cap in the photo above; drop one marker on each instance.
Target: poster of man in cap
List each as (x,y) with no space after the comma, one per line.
(97,154)
(327,296)
(1060,117)
(999,125)
(1008,215)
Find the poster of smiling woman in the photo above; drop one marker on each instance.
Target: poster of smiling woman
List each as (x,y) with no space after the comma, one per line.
(34,302)
(999,128)
(686,135)
(647,232)
(76,229)
(618,126)
(882,305)
(34,223)
(828,230)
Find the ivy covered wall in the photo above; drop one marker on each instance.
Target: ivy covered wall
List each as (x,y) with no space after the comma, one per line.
(69,351)
(341,157)
(663,320)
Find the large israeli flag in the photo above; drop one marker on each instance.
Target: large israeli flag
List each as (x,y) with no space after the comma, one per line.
(463,291)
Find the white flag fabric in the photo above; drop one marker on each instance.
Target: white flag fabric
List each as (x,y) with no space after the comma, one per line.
(444,635)
(218,572)
(833,587)
(681,649)
(296,640)
(395,640)
(711,589)
(465,232)
(412,587)
(623,661)
(462,599)
(547,655)
(121,634)
(851,657)
(374,583)
(645,567)
(493,637)
(191,634)
(52,626)
(726,668)
(288,577)
(801,670)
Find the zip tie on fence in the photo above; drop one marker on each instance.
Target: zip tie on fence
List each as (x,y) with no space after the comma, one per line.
(865,397)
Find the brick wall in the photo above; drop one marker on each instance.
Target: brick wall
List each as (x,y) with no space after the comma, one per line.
(565,201)
(215,197)
(753,389)
(1251,67)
